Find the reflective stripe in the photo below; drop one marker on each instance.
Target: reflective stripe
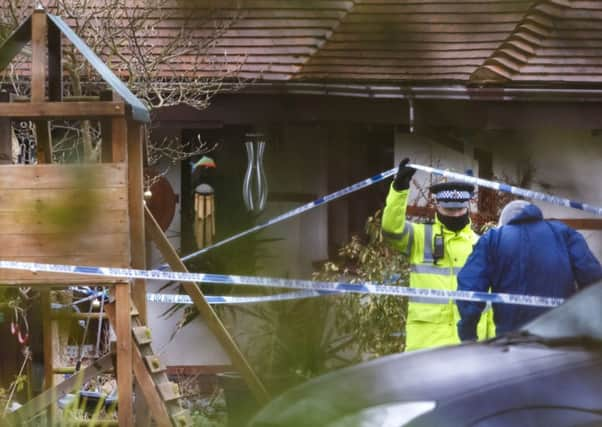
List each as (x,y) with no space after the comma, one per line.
(398,236)
(410,229)
(429,300)
(407,229)
(428,243)
(432,269)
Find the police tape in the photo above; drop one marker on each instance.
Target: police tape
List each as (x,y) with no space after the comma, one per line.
(271,282)
(213,299)
(294,212)
(499,186)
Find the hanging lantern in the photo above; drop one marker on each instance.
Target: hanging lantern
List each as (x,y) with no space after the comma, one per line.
(255,184)
(204,215)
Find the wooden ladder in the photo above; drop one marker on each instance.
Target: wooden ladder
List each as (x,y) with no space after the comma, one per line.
(161,395)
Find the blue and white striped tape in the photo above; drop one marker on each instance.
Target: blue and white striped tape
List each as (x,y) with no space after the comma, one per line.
(270,282)
(294,212)
(530,194)
(212,299)
(499,186)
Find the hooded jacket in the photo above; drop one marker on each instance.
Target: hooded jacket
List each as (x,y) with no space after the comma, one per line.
(528,256)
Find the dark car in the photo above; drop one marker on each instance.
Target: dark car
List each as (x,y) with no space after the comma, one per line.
(547,374)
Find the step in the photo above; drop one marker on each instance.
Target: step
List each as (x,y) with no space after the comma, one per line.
(154,364)
(182,418)
(169,391)
(142,335)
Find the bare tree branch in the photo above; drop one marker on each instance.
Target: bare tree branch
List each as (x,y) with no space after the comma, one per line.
(162,48)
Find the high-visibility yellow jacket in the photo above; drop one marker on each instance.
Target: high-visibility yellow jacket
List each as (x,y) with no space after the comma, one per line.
(434,323)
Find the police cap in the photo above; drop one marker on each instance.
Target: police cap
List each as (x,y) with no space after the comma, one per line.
(453,194)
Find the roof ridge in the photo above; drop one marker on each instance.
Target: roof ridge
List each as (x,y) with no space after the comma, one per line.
(327,37)
(522,43)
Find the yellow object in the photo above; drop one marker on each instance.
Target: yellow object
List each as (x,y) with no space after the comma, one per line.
(204,215)
(432,323)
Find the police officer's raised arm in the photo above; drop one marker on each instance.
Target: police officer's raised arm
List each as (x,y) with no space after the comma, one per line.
(395,228)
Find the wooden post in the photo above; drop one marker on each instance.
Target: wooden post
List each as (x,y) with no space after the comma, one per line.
(136,213)
(119,136)
(48,348)
(106,130)
(55,67)
(39,30)
(123,330)
(6,134)
(146,386)
(205,310)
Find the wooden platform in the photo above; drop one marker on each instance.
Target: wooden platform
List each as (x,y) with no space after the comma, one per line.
(63,214)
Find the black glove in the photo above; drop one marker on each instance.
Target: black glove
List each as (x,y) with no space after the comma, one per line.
(404,175)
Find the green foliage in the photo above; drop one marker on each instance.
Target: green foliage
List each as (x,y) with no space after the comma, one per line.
(288,342)
(376,323)
(201,420)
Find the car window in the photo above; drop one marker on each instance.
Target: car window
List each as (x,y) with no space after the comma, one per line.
(579,316)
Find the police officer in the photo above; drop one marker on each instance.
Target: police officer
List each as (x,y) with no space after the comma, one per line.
(436,253)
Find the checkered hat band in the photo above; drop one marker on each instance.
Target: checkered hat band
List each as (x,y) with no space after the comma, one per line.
(453,195)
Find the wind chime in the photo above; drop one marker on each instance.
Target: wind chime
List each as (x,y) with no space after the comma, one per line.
(204,208)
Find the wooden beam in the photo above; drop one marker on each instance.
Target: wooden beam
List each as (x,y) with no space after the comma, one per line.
(44,141)
(106,131)
(123,330)
(136,213)
(205,310)
(47,339)
(50,396)
(48,349)
(6,137)
(55,67)
(62,110)
(68,98)
(145,381)
(63,314)
(118,135)
(39,29)
(15,43)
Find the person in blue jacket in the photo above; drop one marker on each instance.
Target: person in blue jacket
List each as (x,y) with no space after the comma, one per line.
(525,255)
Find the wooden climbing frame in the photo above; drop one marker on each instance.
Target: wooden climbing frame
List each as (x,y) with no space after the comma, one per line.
(110,230)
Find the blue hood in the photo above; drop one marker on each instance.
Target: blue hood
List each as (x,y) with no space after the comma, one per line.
(528,213)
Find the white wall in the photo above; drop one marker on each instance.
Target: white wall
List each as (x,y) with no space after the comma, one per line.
(565,163)
(295,163)
(194,344)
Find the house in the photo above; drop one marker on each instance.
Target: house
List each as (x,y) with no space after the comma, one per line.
(342,90)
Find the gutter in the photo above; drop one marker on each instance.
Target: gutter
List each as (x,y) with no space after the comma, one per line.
(452,92)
